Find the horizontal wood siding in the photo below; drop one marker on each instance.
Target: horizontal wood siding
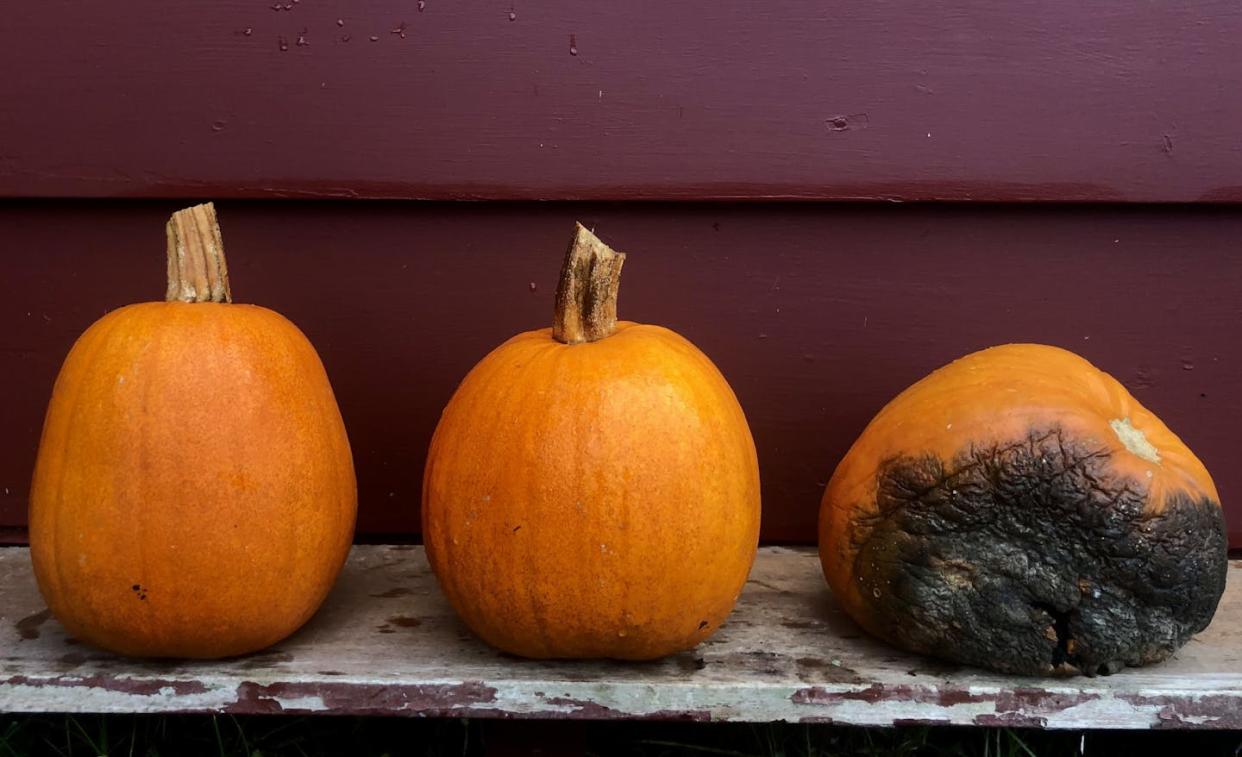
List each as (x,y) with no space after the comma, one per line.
(817,314)
(511,99)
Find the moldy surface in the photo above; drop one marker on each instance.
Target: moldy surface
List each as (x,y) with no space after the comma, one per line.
(1035,557)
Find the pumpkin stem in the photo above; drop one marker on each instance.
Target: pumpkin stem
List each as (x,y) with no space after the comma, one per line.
(586,296)
(196,269)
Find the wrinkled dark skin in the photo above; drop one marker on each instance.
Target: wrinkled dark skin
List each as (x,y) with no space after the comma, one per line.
(1035,558)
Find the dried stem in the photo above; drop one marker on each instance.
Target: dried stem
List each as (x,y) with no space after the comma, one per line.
(196,268)
(586,297)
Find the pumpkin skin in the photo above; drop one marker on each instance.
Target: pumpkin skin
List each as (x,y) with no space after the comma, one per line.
(1019,510)
(598,499)
(194,492)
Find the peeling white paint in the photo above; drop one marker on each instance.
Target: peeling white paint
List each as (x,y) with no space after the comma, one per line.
(35,698)
(301,704)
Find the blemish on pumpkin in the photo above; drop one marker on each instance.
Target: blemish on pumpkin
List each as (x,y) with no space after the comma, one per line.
(1111,614)
(28,627)
(702,624)
(1134,439)
(1060,633)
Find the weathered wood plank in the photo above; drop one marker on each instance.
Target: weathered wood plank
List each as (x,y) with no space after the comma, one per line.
(386,642)
(1046,101)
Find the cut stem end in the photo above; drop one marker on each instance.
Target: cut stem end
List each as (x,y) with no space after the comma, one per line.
(586,295)
(196,267)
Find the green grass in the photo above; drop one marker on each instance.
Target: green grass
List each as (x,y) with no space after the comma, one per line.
(274,736)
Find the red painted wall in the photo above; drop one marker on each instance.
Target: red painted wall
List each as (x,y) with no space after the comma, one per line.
(1023,100)
(816,313)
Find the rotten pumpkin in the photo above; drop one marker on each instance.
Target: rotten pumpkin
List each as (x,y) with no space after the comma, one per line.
(1019,510)
(194,492)
(592,489)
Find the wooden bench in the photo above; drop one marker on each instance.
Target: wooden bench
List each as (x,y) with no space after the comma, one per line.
(387,643)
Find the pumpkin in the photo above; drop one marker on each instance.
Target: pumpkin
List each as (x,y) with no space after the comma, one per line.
(592,489)
(1019,510)
(194,493)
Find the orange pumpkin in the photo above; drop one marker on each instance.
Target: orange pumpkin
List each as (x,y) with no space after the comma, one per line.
(1019,510)
(592,489)
(194,493)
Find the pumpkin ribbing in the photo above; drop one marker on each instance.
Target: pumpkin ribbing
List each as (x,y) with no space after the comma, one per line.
(194,493)
(593,494)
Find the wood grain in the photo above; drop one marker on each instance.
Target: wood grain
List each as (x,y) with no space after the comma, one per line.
(508,99)
(387,642)
(817,314)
